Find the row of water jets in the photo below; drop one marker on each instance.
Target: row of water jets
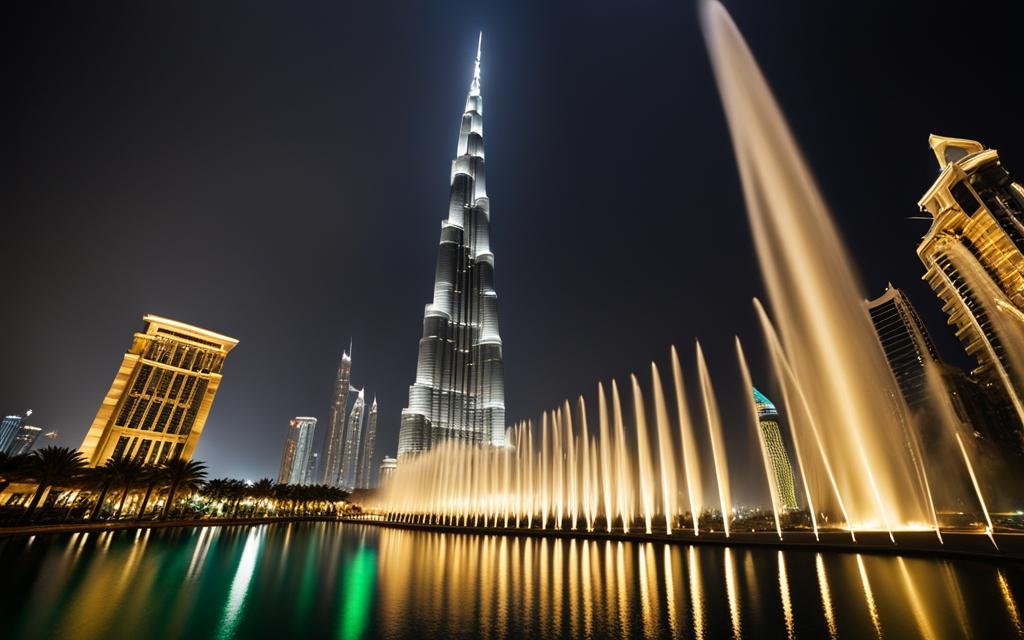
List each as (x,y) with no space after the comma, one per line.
(858,452)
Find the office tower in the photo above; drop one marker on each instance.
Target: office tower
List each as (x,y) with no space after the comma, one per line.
(768,421)
(24,440)
(157,406)
(353,437)
(334,441)
(10,426)
(973,254)
(313,469)
(387,469)
(459,388)
(907,345)
(365,479)
(298,447)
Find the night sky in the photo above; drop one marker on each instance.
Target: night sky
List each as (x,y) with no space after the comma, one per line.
(278,172)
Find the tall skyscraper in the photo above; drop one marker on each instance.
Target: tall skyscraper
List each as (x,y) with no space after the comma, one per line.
(906,343)
(353,436)
(973,254)
(334,441)
(768,421)
(313,469)
(298,447)
(24,440)
(366,466)
(459,392)
(161,396)
(10,426)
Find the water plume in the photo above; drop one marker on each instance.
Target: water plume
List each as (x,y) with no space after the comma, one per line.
(825,331)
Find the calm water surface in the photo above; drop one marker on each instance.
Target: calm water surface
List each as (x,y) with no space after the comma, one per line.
(328,580)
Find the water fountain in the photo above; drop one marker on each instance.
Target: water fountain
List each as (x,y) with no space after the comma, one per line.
(858,459)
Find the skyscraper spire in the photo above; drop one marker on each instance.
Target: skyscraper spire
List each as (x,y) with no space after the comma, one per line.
(459,389)
(474,87)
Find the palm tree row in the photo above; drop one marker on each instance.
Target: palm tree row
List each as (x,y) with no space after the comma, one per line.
(176,488)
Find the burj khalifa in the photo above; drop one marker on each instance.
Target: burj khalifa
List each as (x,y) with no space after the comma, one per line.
(459,392)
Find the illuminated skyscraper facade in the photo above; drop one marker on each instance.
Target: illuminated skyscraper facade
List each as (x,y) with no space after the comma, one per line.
(459,391)
(298,447)
(768,421)
(353,437)
(365,480)
(334,440)
(10,427)
(157,406)
(907,345)
(973,254)
(24,440)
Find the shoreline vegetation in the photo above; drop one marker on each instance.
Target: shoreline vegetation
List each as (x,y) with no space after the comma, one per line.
(53,489)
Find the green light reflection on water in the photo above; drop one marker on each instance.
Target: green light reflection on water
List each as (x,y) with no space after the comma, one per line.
(240,584)
(357,594)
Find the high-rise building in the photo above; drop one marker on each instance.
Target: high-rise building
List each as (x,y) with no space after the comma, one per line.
(387,469)
(768,421)
(353,437)
(334,441)
(298,447)
(459,388)
(366,466)
(10,426)
(24,440)
(906,343)
(313,469)
(157,406)
(973,254)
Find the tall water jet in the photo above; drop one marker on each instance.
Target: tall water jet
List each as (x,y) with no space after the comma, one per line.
(624,482)
(826,333)
(691,462)
(773,487)
(643,456)
(606,457)
(981,499)
(717,443)
(666,460)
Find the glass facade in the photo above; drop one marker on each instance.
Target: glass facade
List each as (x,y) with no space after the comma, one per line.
(459,391)
(771,434)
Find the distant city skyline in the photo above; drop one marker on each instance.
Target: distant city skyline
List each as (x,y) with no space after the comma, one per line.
(300,141)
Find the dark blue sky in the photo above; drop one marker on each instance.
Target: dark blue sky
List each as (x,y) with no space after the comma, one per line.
(278,172)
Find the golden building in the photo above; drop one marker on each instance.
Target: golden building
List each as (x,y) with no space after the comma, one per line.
(158,403)
(973,251)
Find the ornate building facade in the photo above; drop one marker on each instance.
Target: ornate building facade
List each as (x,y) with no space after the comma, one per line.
(459,390)
(157,406)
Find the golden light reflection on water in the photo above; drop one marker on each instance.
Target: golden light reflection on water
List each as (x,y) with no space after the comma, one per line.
(402,584)
(869,596)
(1011,603)
(730,590)
(787,604)
(826,596)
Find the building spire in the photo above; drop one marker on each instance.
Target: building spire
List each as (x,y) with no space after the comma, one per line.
(474,88)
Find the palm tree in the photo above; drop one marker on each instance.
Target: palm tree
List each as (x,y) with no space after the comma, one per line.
(49,467)
(236,490)
(262,491)
(153,477)
(129,472)
(217,489)
(181,475)
(104,477)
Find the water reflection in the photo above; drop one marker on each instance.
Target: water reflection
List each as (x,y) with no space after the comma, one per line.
(350,581)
